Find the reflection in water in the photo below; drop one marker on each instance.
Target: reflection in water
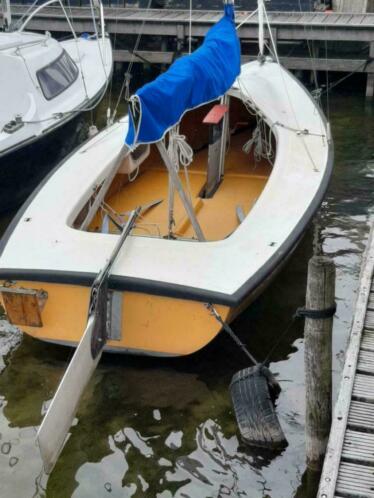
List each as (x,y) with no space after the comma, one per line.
(165,427)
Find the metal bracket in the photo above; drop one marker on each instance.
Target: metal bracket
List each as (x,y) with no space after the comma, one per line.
(98,307)
(13,125)
(114,315)
(24,306)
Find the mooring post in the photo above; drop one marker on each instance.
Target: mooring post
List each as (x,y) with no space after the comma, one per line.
(370,75)
(320,305)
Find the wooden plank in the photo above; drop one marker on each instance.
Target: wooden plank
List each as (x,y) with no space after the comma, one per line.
(357,18)
(356,479)
(366,362)
(363,388)
(340,65)
(368,20)
(361,416)
(346,19)
(320,294)
(206,16)
(133,15)
(22,306)
(370,77)
(331,18)
(358,447)
(371,301)
(283,18)
(369,322)
(324,19)
(163,23)
(338,445)
(339,20)
(306,19)
(367,343)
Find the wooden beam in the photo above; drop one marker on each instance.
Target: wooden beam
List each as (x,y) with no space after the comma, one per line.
(370,77)
(341,410)
(310,26)
(317,356)
(304,63)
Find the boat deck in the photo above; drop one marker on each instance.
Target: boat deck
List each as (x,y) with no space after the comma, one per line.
(349,464)
(243,183)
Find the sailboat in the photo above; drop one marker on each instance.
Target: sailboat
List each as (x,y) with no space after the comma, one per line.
(171,221)
(44,83)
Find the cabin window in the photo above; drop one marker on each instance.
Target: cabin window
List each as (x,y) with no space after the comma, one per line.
(57,76)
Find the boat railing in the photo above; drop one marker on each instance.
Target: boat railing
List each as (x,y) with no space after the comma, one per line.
(41,7)
(98,5)
(20,45)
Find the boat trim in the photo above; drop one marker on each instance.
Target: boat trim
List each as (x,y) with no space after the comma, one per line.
(158,288)
(117,350)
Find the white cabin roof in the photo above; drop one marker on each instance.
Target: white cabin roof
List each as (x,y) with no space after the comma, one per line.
(22,55)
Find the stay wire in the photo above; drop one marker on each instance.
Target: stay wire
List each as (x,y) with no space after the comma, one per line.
(190,29)
(114,48)
(126,80)
(361,66)
(327,80)
(226,327)
(280,338)
(19,21)
(310,50)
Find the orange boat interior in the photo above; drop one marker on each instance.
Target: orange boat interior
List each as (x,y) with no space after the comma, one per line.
(242,183)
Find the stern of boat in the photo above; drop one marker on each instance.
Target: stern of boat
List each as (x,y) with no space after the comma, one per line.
(137,323)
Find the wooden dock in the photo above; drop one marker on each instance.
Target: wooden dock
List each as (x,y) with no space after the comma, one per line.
(172,29)
(170,22)
(349,463)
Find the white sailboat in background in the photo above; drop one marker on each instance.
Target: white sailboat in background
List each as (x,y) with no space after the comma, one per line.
(247,154)
(44,83)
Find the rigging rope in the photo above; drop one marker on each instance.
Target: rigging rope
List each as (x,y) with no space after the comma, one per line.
(18,23)
(361,66)
(288,95)
(327,80)
(80,62)
(111,80)
(180,153)
(127,76)
(262,135)
(246,19)
(190,30)
(310,50)
(97,37)
(179,150)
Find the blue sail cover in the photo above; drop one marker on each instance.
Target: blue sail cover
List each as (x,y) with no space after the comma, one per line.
(191,81)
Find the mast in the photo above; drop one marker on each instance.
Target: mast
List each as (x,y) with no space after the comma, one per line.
(99,6)
(6,13)
(261,11)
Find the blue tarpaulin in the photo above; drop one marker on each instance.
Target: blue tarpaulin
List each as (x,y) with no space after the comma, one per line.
(191,81)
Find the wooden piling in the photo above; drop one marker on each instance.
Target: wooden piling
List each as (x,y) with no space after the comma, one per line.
(370,76)
(318,351)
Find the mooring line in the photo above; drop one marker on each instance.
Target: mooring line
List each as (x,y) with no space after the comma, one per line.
(226,327)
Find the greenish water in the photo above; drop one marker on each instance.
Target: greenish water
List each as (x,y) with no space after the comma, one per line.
(151,427)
